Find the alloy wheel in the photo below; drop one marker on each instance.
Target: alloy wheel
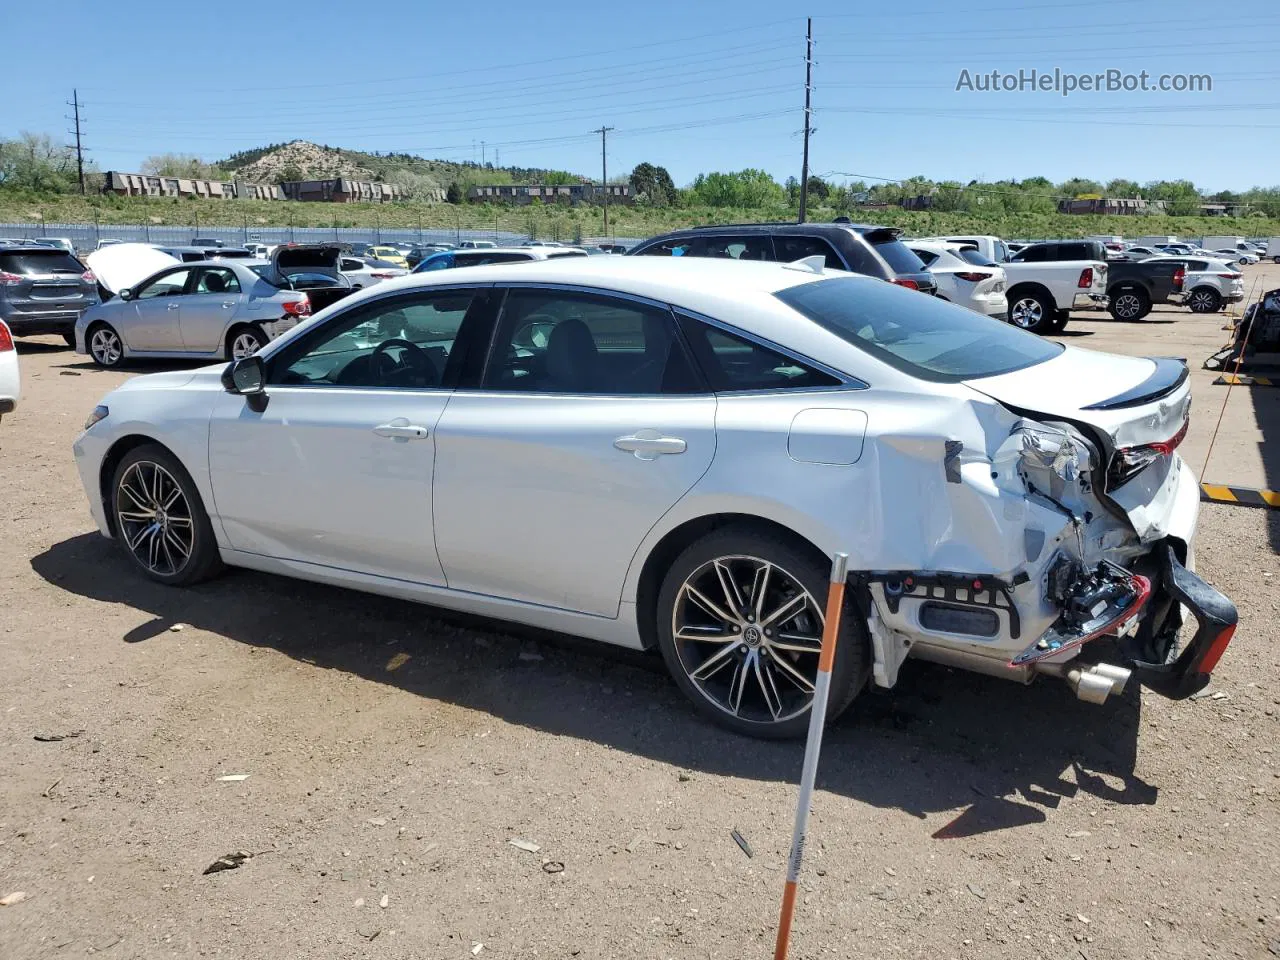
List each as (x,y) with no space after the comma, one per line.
(245,345)
(1128,306)
(1027,313)
(105,346)
(748,634)
(1202,302)
(155,518)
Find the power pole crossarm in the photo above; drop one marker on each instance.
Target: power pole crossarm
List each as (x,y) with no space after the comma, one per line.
(604,175)
(808,91)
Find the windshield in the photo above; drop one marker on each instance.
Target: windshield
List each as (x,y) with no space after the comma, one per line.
(920,335)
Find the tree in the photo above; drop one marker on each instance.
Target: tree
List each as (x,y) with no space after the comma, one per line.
(34,162)
(454,193)
(743,188)
(289,172)
(1078,186)
(793,190)
(653,183)
(819,188)
(181,165)
(1181,197)
(1123,189)
(413,185)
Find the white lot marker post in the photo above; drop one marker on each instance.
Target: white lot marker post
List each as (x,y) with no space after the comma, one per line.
(812,747)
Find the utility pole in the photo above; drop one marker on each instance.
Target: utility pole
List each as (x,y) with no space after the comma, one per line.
(75,105)
(482,153)
(604,175)
(808,89)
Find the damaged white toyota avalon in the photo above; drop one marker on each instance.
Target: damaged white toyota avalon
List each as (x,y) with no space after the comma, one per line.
(665,453)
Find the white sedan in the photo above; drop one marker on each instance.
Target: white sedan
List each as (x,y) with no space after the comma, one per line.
(10,380)
(365,273)
(666,453)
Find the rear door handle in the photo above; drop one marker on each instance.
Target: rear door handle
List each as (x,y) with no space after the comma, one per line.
(401,430)
(649,444)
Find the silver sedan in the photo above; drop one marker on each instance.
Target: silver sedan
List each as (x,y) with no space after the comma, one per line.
(217,309)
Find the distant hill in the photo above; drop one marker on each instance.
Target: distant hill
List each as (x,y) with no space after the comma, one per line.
(302,160)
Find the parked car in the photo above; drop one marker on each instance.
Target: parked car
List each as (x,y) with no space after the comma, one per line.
(388,255)
(107,243)
(964,276)
(362,273)
(448,259)
(421,251)
(993,248)
(192,254)
(207,242)
(44,290)
(1131,288)
(660,452)
(1273,249)
(612,247)
(259,251)
(476,245)
(1241,257)
(1208,285)
(861,248)
(10,377)
(219,309)
(62,243)
(1046,283)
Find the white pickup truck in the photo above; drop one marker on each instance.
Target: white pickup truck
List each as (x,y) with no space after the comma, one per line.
(1045,282)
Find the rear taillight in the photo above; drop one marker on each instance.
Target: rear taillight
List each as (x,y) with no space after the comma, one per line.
(1128,462)
(9,279)
(975,277)
(88,277)
(1216,649)
(1179,277)
(1086,278)
(1230,276)
(906,282)
(298,308)
(6,338)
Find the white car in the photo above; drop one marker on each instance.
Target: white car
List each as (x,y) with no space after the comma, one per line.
(365,273)
(964,276)
(1241,257)
(10,380)
(1208,284)
(667,452)
(476,245)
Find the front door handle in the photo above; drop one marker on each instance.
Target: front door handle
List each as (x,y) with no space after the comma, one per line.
(401,430)
(228,303)
(174,306)
(649,444)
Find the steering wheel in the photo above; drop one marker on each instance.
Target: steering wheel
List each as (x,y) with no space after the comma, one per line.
(413,362)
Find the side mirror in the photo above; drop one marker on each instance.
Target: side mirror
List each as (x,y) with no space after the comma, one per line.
(248,378)
(125,294)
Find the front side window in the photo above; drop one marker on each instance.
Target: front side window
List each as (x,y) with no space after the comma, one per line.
(732,363)
(678,247)
(791,249)
(737,248)
(404,342)
(553,342)
(923,336)
(217,280)
(171,284)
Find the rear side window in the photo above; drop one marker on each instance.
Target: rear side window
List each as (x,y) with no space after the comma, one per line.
(566,253)
(926,256)
(1078,251)
(48,261)
(732,363)
(971,255)
(736,248)
(894,251)
(923,336)
(791,249)
(1038,254)
(676,247)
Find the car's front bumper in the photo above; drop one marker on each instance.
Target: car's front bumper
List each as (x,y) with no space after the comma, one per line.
(89,450)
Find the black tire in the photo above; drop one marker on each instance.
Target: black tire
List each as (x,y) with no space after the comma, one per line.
(1059,322)
(243,333)
(202,561)
(69,338)
(105,347)
(1204,300)
(1129,304)
(1031,310)
(1276,259)
(741,546)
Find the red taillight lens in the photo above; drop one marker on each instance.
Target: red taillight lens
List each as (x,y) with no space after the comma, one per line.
(6,338)
(1230,276)
(1086,278)
(88,277)
(1216,649)
(298,308)
(1179,277)
(975,277)
(905,282)
(9,279)
(1128,462)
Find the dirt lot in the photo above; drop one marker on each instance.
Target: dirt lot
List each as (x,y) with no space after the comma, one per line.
(392,753)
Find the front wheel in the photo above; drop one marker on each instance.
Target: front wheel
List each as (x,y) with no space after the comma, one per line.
(1205,301)
(1031,311)
(740,618)
(160,518)
(105,346)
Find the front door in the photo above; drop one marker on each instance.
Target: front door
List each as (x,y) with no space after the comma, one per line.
(337,470)
(157,309)
(588,426)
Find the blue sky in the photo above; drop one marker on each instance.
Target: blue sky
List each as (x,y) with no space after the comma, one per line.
(695,85)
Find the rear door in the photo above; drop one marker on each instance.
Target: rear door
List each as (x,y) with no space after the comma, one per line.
(209,309)
(44,281)
(587,426)
(153,321)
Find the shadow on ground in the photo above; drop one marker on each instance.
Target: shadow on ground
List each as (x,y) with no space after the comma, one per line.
(943,740)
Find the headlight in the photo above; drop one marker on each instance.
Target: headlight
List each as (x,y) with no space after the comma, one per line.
(99,413)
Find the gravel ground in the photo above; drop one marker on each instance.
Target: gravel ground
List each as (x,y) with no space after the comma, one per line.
(393,753)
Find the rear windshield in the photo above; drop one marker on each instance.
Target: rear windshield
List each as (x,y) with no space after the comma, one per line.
(567,253)
(920,335)
(971,255)
(35,261)
(895,253)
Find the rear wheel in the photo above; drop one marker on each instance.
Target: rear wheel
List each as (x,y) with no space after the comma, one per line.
(740,619)
(1031,311)
(1129,304)
(1205,300)
(1059,321)
(245,341)
(105,346)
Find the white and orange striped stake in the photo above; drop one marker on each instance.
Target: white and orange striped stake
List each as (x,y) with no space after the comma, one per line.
(812,748)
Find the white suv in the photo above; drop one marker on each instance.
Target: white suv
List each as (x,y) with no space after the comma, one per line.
(1209,284)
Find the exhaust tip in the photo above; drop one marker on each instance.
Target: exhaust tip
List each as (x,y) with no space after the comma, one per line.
(1092,683)
(1089,687)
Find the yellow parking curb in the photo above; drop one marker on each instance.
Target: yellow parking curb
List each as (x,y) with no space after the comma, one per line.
(1246,496)
(1241,380)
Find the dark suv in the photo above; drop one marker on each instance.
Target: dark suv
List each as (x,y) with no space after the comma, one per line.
(44,290)
(858,247)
